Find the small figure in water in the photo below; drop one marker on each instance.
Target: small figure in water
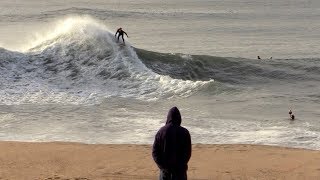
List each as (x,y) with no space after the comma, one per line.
(291,115)
(120,33)
(270,57)
(258,57)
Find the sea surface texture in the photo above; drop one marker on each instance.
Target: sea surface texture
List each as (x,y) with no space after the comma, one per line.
(65,77)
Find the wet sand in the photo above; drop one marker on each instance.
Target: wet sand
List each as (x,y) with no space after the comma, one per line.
(60,160)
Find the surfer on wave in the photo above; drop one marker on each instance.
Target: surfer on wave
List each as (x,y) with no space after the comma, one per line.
(120,33)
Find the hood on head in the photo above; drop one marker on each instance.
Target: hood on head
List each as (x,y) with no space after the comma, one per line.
(174,116)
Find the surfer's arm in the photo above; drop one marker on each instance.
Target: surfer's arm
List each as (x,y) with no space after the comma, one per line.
(116,33)
(126,34)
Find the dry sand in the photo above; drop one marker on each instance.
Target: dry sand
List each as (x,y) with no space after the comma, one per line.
(20,160)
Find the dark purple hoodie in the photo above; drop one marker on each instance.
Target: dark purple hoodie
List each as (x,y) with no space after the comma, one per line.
(172,144)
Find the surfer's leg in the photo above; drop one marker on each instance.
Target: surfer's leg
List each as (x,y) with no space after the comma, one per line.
(122,39)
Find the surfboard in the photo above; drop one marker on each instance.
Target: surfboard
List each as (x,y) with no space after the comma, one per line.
(121,45)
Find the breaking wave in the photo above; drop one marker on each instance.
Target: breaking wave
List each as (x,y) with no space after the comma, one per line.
(81,62)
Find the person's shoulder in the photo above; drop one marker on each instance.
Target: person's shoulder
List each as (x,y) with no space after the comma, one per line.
(163,128)
(184,129)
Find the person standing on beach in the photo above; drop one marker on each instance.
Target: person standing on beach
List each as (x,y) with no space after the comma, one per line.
(172,148)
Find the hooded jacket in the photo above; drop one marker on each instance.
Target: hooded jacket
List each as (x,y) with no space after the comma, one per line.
(172,145)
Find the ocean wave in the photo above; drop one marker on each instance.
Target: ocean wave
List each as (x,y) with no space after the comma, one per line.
(80,62)
(230,70)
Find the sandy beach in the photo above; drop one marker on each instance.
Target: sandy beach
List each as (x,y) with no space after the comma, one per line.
(60,160)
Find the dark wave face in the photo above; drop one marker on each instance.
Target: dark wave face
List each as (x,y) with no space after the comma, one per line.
(230,70)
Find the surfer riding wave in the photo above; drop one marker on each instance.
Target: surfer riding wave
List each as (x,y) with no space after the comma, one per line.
(120,33)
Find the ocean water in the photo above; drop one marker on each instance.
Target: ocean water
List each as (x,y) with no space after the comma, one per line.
(64,77)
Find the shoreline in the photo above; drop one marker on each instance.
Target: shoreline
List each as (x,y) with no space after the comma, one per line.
(73,160)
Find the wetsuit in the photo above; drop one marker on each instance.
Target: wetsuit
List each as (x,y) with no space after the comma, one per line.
(120,33)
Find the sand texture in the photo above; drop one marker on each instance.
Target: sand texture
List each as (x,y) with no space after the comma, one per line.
(75,161)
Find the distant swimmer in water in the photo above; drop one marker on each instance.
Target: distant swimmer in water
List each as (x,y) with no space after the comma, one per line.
(120,33)
(258,57)
(291,115)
